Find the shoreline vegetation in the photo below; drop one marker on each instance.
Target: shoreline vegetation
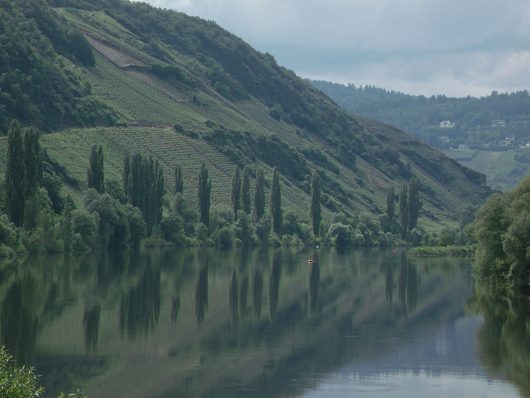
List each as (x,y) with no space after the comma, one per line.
(138,211)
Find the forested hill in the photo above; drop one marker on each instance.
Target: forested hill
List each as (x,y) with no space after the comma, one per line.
(134,78)
(480,123)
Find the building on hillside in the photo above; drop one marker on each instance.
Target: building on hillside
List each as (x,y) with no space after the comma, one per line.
(498,123)
(445,138)
(447,124)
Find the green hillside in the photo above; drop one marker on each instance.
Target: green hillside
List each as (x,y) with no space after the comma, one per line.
(480,123)
(186,91)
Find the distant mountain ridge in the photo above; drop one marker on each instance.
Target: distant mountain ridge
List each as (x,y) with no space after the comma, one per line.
(443,122)
(186,91)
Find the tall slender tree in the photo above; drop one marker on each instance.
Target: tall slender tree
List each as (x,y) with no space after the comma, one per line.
(15,175)
(316,212)
(404,209)
(95,173)
(259,195)
(126,174)
(179,182)
(276,203)
(414,203)
(245,190)
(236,191)
(391,204)
(32,161)
(204,191)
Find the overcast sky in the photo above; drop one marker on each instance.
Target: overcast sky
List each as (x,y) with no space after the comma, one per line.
(452,47)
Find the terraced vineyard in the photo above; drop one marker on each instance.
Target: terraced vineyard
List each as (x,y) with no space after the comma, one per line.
(213,100)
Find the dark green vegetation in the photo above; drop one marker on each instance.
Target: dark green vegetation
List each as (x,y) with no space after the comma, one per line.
(188,93)
(42,57)
(502,233)
(479,123)
(20,381)
(487,134)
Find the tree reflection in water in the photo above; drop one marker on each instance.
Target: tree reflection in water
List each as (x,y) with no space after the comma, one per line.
(91,325)
(314,281)
(201,293)
(140,307)
(504,338)
(274,284)
(232,297)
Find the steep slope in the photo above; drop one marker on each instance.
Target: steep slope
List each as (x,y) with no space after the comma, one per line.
(189,92)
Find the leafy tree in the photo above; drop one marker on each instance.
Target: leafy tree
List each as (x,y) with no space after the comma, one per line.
(259,196)
(404,210)
(245,190)
(179,182)
(95,173)
(15,175)
(316,212)
(414,203)
(276,203)
(236,191)
(204,191)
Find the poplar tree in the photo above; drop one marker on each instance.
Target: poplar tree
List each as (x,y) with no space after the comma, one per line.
(204,190)
(414,203)
(236,191)
(259,195)
(15,175)
(245,190)
(32,161)
(95,173)
(276,203)
(404,209)
(390,204)
(316,212)
(179,183)
(126,175)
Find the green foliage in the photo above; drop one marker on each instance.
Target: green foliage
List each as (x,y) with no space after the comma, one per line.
(259,196)
(204,195)
(502,233)
(276,204)
(15,175)
(146,188)
(179,181)
(118,225)
(390,204)
(40,84)
(245,191)
(404,210)
(421,115)
(17,382)
(316,213)
(95,172)
(413,203)
(236,191)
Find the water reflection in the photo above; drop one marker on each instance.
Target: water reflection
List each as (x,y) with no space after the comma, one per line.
(314,281)
(201,293)
(504,338)
(261,324)
(274,284)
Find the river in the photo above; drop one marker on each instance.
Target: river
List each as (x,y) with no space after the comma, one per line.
(264,323)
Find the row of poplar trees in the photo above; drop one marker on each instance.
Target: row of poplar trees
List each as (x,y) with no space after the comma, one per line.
(143,183)
(409,206)
(241,198)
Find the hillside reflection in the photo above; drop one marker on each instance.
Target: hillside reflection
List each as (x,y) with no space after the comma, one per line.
(219,324)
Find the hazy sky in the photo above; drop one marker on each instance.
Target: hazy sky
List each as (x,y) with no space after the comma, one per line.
(453,47)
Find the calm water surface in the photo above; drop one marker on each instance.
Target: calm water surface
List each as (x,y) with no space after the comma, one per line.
(262,324)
